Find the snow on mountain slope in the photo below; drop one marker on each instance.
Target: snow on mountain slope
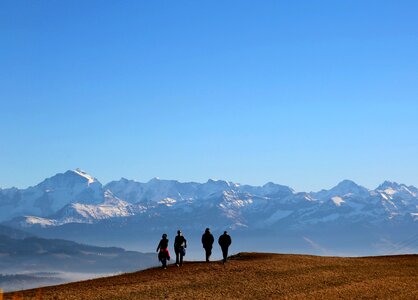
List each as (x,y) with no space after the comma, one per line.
(90,179)
(344,188)
(337,200)
(51,195)
(76,197)
(153,191)
(112,207)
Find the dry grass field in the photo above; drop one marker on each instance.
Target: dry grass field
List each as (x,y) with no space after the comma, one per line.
(254,276)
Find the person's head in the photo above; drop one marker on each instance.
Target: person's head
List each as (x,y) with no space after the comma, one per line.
(164,236)
(225,232)
(207,230)
(179,232)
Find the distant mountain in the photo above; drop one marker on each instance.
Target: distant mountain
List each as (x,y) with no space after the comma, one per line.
(13,233)
(29,262)
(73,202)
(344,188)
(51,195)
(29,253)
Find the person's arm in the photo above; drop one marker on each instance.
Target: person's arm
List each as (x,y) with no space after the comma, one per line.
(159,245)
(185,243)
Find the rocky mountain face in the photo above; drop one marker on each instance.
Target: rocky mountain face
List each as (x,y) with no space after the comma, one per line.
(75,199)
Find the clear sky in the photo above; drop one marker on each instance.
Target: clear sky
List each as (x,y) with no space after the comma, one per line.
(302,93)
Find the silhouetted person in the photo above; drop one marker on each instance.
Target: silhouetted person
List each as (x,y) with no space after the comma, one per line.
(180,244)
(224,241)
(163,255)
(207,242)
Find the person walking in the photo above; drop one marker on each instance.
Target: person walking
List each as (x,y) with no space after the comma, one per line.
(224,241)
(162,249)
(207,242)
(180,245)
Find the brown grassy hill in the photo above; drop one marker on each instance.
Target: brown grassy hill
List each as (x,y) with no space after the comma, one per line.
(254,276)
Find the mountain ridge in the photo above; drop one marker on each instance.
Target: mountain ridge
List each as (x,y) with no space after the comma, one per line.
(88,177)
(68,202)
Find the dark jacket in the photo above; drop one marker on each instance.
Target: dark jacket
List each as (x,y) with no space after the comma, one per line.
(163,244)
(179,243)
(224,240)
(207,240)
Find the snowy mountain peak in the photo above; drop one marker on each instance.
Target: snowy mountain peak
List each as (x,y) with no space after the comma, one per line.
(349,187)
(344,188)
(392,188)
(90,179)
(389,185)
(70,180)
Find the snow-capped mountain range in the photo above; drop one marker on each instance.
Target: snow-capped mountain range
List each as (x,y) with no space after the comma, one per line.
(74,197)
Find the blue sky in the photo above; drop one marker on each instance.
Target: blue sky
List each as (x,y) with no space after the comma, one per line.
(302,93)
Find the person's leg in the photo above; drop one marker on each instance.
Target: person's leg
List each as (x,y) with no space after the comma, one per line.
(208,253)
(224,253)
(177,257)
(181,258)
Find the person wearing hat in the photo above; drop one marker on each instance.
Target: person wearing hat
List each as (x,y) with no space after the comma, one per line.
(224,241)
(207,242)
(180,245)
(162,249)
